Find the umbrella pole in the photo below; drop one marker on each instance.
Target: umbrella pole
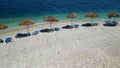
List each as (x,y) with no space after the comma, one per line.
(71,21)
(27,28)
(91,20)
(50,24)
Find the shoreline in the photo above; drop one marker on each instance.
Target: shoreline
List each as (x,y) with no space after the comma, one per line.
(41,25)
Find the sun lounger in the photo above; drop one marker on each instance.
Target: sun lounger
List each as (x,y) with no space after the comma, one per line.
(87,25)
(35,32)
(110,23)
(20,35)
(90,24)
(76,25)
(67,27)
(47,30)
(8,39)
(1,40)
(57,29)
(50,30)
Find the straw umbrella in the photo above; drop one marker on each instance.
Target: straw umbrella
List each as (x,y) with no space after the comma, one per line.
(27,23)
(51,19)
(71,16)
(3,27)
(92,15)
(114,15)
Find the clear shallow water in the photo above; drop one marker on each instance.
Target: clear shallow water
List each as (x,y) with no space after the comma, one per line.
(13,12)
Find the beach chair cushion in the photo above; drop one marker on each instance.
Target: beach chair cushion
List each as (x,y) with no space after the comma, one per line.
(19,35)
(35,32)
(26,34)
(57,29)
(47,30)
(90,24)
(8,39)
(67,27)
(76,25)
(87,25)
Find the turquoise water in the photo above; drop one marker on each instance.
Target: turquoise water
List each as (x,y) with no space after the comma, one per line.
(12,12)
(13,22)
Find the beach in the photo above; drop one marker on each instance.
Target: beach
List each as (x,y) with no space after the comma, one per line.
(83,47)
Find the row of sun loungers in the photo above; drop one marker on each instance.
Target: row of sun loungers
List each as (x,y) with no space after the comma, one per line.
(21,35)
(108,22)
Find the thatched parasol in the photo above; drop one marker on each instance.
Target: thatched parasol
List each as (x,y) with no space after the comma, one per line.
(3,26)
(114,15)
(50,19)
(71,15)
(92,15)
(27,23)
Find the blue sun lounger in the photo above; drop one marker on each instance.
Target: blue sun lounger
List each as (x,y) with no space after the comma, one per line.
(76,25)
(56,29)
(35,32)
(8,39)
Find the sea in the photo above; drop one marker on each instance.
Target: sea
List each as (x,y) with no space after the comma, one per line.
(12,12)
